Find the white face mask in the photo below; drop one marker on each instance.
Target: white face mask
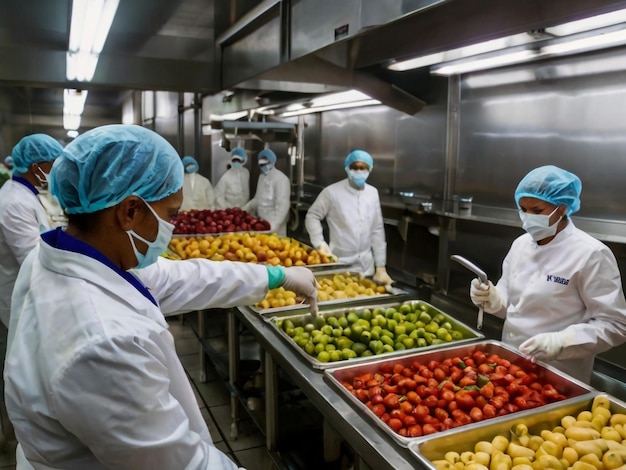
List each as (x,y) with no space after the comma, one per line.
(358,177)
(156,247)
(43,179)
(538,225)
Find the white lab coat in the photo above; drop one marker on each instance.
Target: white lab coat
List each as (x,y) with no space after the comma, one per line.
(22,218)
(272,200)
(92,376)
(355,223)
(233,188)
(571,284)
(197,193)
(54,211)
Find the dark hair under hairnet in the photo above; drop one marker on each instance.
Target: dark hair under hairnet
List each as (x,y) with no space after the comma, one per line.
(551,184)
(103,166)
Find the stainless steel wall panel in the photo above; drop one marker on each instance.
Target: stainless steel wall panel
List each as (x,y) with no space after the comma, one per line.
(578,123)
(253,54)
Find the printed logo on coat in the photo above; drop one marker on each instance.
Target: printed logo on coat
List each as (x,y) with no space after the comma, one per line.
(557,279)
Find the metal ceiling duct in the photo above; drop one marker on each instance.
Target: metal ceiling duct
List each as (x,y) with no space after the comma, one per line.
(316,46)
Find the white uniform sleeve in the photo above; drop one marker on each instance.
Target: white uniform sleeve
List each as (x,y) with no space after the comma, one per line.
(282,202)
(601,290)
(21,228)
(195,284)
(245,183)
(314,216)
(116,396)
(379,240)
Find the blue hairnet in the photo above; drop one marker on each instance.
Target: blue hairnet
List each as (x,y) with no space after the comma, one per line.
(35,148)
(239,152)
(188,161)
(8,161)
(551,184)
(269,155)
(359,156)
(103,166)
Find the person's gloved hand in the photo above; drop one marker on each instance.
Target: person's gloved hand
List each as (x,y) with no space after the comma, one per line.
(324,249)
(544,346)
(381,276)
(486,295)
(301,281)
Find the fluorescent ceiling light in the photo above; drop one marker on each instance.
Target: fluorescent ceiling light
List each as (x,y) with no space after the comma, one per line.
(71,121)
(485,63)
(89,28)
(74,101)
(417,62)
(339,98)
(592,42)
(588,24)
(331,107)
(72,134)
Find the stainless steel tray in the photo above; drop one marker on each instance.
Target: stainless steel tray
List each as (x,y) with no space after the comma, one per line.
(565,385)
(393,293)
(538,419)
(469,334)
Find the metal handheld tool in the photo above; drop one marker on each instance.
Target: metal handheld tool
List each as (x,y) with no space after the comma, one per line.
(482,276)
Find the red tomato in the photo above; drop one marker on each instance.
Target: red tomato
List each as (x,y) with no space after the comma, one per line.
(357,383)
(386,368)
(409,421)
(446,394)
(397,368)
(514,369)
(410,384)
(362,395)
(407,372)
(385,417)
(414,431)
(505,362)
(429,429)
(440,414)
(521,402)
(485,369)
(427,373)
(421,411)
(452,406)
(397,378)
(395,424)
(447,423)
(479,356)
(439,374)
(376,399)
(372,383)
(403,432)
(469,362)
(432,365)
(489,411)
(390,388)
(367,376)
(461,417)
(430,401)
(476,414)
(464,400)
(456,374)
(391,401)
(416,366)
(378,409)
(413,397)
(497,402)
(419,379)
(487,390)
(481,401)
(433,383)
(406,407)
(466,381)
(397,413)
(510,408)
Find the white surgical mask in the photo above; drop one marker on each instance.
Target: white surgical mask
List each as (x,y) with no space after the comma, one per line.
(538,225)
(236,164)
(358,177)
(156,247)
(43,179)
(190,168)
(265,169)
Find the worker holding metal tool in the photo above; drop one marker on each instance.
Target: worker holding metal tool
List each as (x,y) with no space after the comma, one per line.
(560,292)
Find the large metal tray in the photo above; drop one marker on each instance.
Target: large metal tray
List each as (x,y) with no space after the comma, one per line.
(565,384)
(469,334)
(391,294)
(536,420)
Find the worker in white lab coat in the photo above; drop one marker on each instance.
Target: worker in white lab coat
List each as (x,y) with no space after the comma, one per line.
(560,292)
(197,190)
(273,194)
(93,378)
(352,210)
(233,188)
(22,218)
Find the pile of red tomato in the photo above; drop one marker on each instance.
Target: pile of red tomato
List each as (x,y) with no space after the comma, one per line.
(422,399)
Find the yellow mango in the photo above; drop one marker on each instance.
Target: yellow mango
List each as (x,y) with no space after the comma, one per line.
(500,443)
(612,459)
(570,454)
(567,421)
(484,446)
(581,434)
(548,462)
(452,457)
(618,418)
(611,434)
(593,460)
(516,450)
(584,416)
(555,437)
(601,401)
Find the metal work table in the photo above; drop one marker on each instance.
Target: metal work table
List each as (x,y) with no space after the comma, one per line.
(373,448)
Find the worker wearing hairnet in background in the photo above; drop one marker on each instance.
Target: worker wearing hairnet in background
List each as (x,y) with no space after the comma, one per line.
(560,291)
(352,210)
(22,218)
(197,190)
(273,194)
(93,378)
(233,188)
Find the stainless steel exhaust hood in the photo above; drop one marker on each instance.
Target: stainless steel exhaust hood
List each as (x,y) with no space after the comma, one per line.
(305,47)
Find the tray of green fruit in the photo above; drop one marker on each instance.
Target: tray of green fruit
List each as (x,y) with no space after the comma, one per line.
(357,334)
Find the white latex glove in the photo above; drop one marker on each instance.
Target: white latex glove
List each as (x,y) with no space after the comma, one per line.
(544,346)
(486,295)
(381,276)
(301,281)
(324,249)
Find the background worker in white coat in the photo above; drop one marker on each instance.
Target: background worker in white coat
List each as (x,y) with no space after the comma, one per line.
(22,218)
(233,188)
(197,190)
(273,194)
(93,378)
(352,210)
(6,170)
(560,292)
